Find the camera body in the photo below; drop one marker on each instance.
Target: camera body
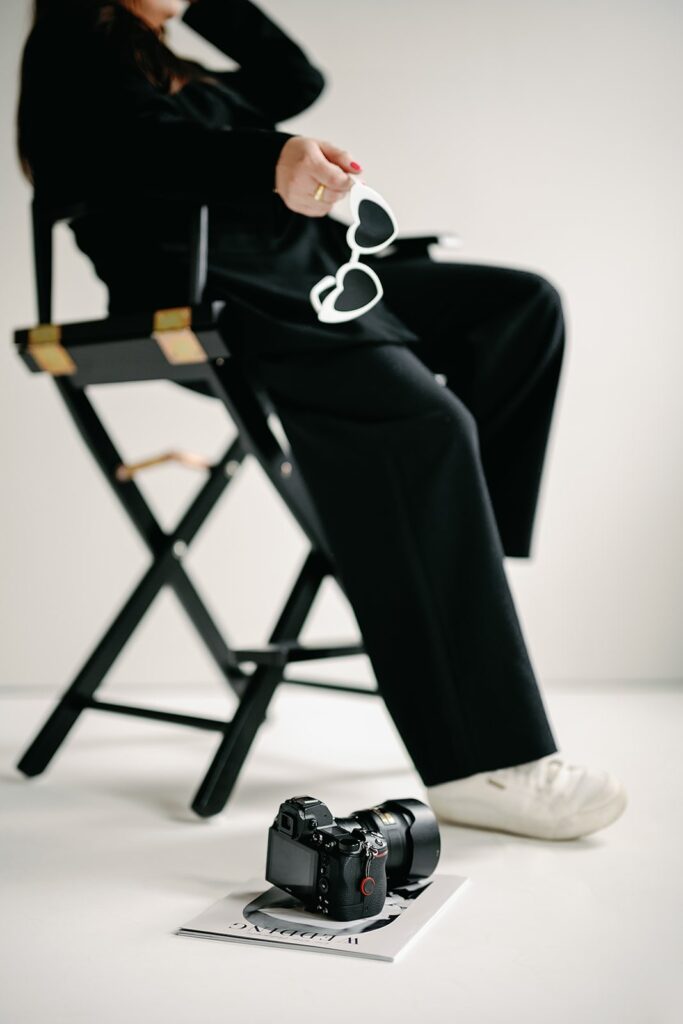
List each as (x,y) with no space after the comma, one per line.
(342,867)
(333,870)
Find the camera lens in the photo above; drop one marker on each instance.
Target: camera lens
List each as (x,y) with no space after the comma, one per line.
(412,835)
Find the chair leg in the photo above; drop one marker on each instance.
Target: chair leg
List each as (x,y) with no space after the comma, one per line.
(224,770)
(50,738)
(127,493)
(219,781)
(208,631)
(41,751)
(255,690)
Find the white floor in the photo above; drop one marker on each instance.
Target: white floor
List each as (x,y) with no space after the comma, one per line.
(101,861)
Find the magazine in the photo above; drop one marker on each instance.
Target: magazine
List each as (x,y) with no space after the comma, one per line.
(254,914)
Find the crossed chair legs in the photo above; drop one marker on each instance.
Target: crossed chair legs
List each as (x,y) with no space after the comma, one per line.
(254,689)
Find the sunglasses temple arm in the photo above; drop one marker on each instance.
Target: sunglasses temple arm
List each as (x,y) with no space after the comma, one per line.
(322,285)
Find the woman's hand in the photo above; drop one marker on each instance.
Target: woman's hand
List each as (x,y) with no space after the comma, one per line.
(306,163)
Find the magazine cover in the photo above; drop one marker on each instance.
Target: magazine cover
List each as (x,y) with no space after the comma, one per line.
(254,914)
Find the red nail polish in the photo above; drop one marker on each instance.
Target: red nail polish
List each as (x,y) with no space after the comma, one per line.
(355,166)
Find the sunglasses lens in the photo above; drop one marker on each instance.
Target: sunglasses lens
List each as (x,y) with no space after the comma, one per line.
(359,289)
(375,224)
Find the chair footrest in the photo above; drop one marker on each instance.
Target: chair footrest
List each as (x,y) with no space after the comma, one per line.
(322,684)
(281,653)
(214,724)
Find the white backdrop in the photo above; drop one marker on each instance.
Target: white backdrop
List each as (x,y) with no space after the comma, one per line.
(552,141)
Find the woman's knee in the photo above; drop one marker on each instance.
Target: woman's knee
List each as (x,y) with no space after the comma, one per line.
(548,295)
(456,421)
(543,330)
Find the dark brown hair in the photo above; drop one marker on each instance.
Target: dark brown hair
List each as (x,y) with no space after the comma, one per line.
(132,40)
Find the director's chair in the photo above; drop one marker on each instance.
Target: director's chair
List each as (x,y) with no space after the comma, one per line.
(183,344)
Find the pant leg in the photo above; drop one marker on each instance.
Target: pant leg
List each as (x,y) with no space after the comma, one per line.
(498,336)
(392,463)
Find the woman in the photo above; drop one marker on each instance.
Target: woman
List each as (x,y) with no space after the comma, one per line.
(420,427)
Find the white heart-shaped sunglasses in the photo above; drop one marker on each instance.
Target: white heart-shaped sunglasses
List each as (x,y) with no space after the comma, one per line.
(356,288)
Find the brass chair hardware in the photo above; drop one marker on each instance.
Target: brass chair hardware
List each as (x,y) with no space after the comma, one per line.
(172,332)
(46,350)
(127,470)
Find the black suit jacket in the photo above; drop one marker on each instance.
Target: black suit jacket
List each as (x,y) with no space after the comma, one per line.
(95,125)
(97,130)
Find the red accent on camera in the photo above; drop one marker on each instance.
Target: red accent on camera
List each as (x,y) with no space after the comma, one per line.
(367,885)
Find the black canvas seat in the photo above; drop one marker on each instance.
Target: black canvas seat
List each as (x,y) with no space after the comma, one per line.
(183,344)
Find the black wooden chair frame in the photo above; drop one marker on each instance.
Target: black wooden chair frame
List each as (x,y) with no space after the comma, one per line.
(181,344)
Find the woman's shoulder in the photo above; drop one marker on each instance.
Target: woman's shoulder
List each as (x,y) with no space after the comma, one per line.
(90,34)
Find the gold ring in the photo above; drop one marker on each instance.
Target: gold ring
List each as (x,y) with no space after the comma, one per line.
(318,194)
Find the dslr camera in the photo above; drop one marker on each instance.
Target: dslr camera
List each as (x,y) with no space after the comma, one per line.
(341,867)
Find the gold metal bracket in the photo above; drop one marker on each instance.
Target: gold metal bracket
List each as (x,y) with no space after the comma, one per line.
(46,350)
(127,470)
(171,331)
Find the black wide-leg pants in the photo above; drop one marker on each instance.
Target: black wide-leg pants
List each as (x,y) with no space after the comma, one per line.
(423,485)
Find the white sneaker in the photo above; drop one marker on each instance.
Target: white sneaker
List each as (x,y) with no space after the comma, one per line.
(546,799)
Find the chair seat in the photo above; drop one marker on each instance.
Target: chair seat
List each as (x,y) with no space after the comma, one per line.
(161,344)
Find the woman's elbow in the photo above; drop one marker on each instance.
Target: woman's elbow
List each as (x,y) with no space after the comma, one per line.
(305,93)
(318,82)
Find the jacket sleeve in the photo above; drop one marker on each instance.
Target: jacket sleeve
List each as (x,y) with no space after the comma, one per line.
(105,129)
(274,73)
(147,140)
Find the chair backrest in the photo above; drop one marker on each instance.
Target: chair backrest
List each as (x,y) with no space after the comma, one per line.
(169,343)
(45,216)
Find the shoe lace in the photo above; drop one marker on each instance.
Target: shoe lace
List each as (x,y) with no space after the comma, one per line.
(546,771)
